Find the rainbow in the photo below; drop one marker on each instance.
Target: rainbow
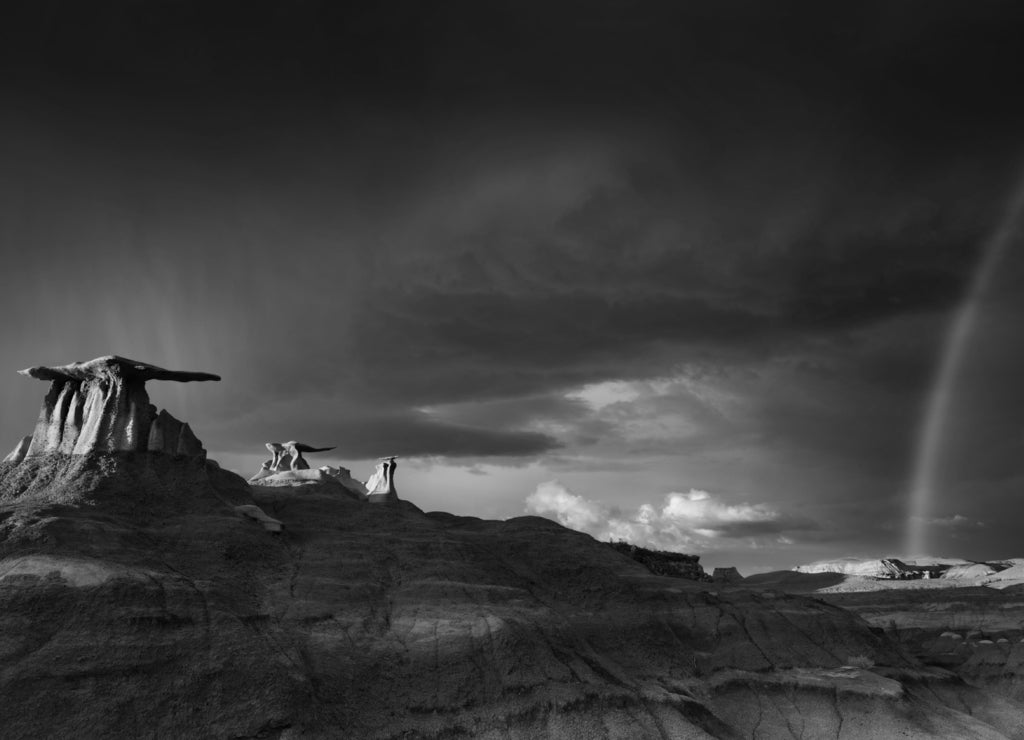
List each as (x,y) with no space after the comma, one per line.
(934,421)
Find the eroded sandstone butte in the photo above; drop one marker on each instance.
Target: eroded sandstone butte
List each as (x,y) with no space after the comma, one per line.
(136,602)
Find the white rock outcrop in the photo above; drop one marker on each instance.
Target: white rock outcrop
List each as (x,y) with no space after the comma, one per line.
(20,450)
(344,476)
(287,476)
(874,568)
(102,406)
(969,572)
(286,456)
(380,488)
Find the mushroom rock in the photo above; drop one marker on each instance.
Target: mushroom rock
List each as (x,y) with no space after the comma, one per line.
(102,406)
(287,456)
(380,489)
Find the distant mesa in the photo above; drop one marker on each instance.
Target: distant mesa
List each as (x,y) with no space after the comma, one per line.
(102,406)
(919,568)
(878,568)
(726,575)
(664,563)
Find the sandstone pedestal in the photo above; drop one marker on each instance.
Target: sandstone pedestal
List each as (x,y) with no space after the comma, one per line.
(102,406)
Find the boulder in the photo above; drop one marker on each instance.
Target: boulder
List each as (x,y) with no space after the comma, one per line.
(254,512)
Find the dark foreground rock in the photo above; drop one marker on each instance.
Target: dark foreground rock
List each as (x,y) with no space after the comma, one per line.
(662,563)
(135,601)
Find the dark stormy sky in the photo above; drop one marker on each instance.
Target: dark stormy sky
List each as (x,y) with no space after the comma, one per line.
(678,273)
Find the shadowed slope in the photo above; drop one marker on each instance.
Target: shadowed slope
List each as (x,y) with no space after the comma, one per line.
(134,600)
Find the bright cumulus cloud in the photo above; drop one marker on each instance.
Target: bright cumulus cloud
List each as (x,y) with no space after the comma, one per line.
(692,520)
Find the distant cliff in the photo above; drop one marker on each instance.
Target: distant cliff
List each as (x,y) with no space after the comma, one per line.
(664,563)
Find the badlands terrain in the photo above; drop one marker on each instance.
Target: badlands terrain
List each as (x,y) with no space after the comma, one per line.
(968,619)
(137,601)
(146,592)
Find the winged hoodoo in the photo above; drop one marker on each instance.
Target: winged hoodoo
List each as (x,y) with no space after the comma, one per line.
(288,467)
(102,406)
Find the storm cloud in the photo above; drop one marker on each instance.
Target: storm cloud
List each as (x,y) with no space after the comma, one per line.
(713,247)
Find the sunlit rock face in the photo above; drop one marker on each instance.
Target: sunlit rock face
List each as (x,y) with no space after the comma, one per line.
(286,458)
(102,406)
(380,488)
(18,453)
(881,568)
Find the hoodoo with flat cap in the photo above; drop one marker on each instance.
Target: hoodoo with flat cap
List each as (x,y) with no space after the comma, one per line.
(102,406)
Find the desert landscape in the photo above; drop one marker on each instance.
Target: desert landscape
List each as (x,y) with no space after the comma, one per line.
(144,590)
(511,370)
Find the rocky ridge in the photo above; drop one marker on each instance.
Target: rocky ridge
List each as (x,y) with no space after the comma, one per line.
(140,595)
(135,600)
(663,563)
(998,573)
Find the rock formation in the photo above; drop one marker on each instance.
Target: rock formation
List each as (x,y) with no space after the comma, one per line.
(664,563)
(21,449)
(102,406)
(286,456)
(311,478)
(287,467)
(344,476)
(726,575)
(384,622)
(380,488)
(881,568)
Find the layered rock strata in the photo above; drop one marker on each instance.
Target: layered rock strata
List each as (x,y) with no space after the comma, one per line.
(662,563)
(144,604)
(102,406)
